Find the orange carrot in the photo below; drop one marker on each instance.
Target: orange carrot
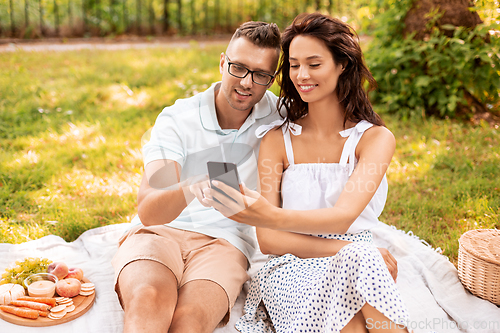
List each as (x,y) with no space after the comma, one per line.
(44,300)
(40,312)
(20,312)
(43,313)
(31,305)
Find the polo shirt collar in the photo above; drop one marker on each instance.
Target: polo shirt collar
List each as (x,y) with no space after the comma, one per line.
(208,114)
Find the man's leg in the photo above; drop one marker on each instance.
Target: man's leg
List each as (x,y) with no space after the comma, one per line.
(202,304)
(149,295)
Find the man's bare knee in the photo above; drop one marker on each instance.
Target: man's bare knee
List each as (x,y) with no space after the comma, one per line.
(147,287)
(191,318)
(146,296)
(201,306)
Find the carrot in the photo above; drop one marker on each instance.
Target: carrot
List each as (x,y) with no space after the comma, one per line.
(31,305)
(20,312)
(44,300)
(40,312)
(43,313)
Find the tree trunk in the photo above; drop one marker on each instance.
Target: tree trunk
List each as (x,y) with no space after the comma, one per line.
(26,15)
(12,23)
(56,17)
(166,22)
(454,12)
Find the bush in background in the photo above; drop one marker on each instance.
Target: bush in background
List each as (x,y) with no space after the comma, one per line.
(452,71)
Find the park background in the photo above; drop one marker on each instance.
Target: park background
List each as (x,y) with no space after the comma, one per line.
(71,122)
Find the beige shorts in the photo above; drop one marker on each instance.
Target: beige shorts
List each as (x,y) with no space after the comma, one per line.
(189,255)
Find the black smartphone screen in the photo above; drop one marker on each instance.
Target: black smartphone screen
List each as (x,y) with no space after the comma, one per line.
(224,172)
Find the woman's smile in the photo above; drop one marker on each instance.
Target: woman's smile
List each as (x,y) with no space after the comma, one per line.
(306,88)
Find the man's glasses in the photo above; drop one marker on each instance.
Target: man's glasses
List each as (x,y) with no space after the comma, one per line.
(241,72)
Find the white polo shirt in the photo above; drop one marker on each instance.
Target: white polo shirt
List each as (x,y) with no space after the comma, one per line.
(188,132)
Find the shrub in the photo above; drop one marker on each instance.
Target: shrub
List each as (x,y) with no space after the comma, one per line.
(438,75)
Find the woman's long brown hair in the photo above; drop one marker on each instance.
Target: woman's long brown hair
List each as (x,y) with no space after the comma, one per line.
(342,42)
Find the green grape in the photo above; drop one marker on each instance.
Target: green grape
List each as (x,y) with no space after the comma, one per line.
(23,269)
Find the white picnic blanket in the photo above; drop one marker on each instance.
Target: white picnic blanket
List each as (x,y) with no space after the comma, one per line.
(428,283)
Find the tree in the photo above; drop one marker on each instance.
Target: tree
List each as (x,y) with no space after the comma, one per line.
(453,12)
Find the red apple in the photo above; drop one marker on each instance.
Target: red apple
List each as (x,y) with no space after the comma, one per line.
(59,269)
(75,272)
(68,287)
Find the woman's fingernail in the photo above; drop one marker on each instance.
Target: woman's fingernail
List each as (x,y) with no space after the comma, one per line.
(216,183)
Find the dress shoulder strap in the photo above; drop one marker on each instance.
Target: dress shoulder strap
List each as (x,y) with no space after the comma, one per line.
(288,145)
(354,134)
(287,128)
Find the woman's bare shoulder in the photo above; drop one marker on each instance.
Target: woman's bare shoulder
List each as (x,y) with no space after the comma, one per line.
(379,137)
(273,137)
(272,146)
(378,133)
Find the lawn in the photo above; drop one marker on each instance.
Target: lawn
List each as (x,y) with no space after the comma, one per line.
(70,146)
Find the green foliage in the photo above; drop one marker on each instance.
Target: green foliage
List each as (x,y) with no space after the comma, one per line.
(436,75)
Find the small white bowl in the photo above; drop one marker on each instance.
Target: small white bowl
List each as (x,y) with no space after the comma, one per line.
(41,284)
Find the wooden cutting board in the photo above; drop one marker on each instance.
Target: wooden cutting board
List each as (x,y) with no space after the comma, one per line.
(82,305)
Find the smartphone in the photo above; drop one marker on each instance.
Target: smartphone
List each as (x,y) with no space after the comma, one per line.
(224,172)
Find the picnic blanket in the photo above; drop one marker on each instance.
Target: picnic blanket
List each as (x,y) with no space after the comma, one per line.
(428,282)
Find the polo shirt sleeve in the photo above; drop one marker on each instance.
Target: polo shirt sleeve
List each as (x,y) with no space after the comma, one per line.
(166,139)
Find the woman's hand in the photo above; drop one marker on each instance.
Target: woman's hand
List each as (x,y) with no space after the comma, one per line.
(247,206)
(390,261)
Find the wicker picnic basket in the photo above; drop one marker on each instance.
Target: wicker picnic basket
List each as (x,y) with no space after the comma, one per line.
(479,263)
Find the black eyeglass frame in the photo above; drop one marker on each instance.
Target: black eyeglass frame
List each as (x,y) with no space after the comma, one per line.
(229,63)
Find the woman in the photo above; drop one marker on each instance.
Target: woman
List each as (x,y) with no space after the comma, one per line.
(328,177)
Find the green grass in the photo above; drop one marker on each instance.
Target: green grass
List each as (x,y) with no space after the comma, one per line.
(70,132)
(443,180)
(70,146)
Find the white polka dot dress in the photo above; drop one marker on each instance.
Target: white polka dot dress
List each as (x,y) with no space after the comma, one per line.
(290,294)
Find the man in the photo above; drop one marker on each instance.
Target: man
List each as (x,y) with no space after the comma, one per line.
(183,267)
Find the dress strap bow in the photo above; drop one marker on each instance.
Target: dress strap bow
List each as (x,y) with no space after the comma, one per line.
(263,129)
(353,135)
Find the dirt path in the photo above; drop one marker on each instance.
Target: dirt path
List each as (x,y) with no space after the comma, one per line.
(58,44)
(118,43)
